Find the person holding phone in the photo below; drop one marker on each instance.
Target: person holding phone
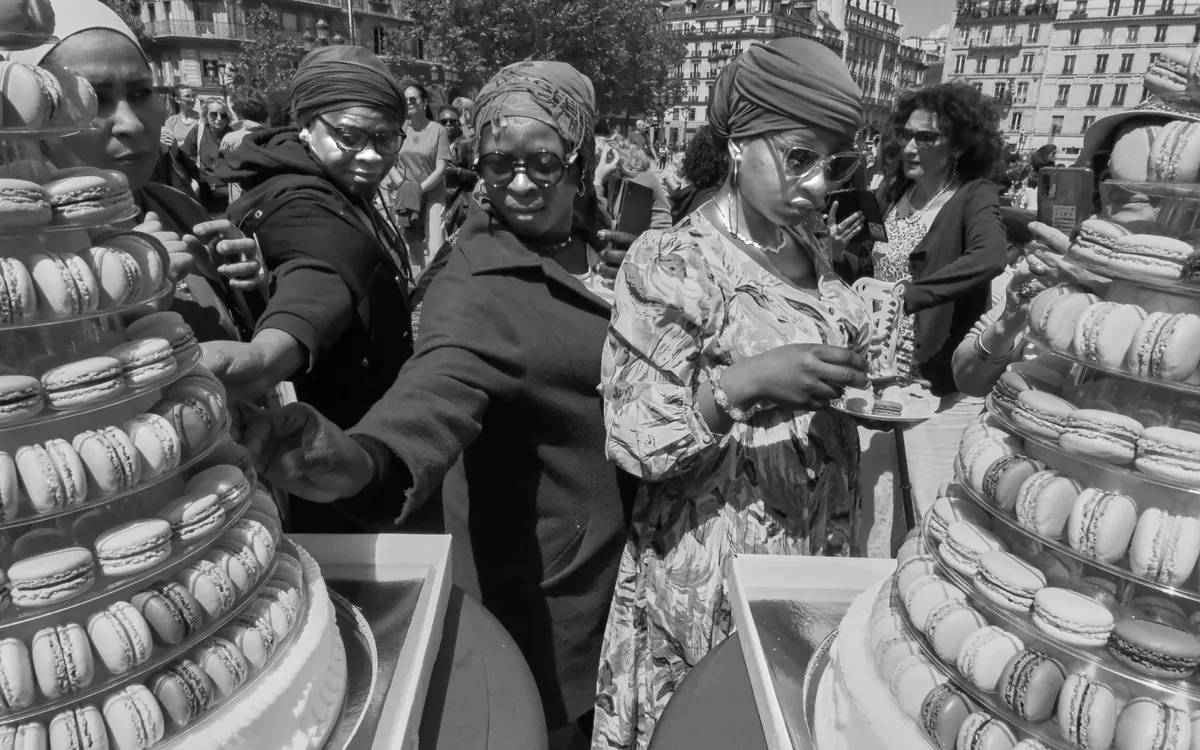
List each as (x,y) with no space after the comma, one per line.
(729,337)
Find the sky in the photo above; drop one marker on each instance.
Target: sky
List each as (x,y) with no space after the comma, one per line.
(920,17)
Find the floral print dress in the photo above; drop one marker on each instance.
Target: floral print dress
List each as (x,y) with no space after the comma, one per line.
(687,303)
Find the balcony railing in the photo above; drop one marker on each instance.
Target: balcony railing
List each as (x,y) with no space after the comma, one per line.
(970,12)
(1001,43)
(196,30)
(743,32)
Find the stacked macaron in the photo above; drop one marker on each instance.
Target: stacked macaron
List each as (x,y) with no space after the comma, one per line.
(85,196)
(47,96)
(25,24)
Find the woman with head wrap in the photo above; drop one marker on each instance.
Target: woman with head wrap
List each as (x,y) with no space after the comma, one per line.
(499,405)
(730,334)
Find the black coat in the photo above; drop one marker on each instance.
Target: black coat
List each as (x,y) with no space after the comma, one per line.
(504,378)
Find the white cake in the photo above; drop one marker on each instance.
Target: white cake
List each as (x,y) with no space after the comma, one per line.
(855,709)
(294,704)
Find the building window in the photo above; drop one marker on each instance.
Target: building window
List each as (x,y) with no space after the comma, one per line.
(1119,94)
(1160,33)
(1056,125)
(1015,122)
(1106,36)
(1153,57)
(1139,7)
(1022,93)
(981,65)
(1063,92)
(1081,6)
(1069,65)
(1073,40)
(977,86)
(1002,64)
(1127,63)
(1131,34)
(1094,94)
(1026,63)
(998,90)
(1196,34)
(1034,30)
(1087,123)
(1167,6)
(1101,63)
(985,34)
(1114,7)
(289,22)
(1010,33)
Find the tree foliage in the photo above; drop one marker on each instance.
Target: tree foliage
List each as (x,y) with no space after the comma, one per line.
(624,46)
(268,60)
(130,12)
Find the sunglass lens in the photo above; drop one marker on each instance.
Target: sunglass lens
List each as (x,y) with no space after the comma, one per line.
(799,162)
(495,169)
(842,166)
(545,169)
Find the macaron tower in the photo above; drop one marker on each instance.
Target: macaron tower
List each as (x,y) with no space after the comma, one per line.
(1051,599)
(145,586)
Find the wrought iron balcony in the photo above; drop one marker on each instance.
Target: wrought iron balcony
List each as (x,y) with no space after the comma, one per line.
(196,30)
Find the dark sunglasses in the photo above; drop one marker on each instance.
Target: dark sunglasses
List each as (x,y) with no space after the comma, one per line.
(800,163)
(543,169)
(923,138)
(354,140)
(449,122)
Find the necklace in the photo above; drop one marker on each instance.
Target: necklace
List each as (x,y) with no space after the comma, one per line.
(915,215)
(746,240)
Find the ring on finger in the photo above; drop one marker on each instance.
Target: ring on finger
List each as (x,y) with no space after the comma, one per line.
(1028,290)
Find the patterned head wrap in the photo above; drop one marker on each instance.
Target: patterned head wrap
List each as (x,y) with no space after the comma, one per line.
(553,93)
(344,76)
(786,84)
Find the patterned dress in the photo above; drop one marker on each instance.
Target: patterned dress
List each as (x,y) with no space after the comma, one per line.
(891,260)
(689,302)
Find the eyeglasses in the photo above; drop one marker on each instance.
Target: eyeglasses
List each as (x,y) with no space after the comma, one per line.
(544,169)
(218,115)
(800,163)
(354,140)
(449,122)
(923,138)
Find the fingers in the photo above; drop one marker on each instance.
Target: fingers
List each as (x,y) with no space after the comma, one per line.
(246,270)
(837,355)
(222,228)
(244,246)
(1051,237)
(285,424)
(617,238)
(613,256)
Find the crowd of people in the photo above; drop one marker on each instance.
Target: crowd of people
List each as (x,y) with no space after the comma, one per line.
(432,324)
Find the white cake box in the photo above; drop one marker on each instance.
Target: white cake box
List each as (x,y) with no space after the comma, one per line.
(384,558)
(816,591)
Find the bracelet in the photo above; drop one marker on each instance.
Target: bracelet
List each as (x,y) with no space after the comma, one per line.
(722,399)
(982,354)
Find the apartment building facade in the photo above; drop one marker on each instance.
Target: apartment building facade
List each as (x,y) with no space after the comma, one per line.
(872,55)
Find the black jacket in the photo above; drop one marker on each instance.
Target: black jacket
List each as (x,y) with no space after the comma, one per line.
(335,286)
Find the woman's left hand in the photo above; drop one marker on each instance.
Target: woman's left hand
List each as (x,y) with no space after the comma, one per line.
(181,253)
(245,272)
(612,257)
(1027,282)
(845,230)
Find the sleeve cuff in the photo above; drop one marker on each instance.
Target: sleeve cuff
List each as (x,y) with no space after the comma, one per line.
(299,329)
(385,498)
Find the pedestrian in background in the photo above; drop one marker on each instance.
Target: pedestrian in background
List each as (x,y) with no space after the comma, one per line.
(415,194)
(202,146)
(460,174)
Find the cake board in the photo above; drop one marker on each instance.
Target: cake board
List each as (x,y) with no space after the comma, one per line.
(785,608)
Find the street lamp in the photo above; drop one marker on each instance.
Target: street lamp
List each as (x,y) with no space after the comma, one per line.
(322,32)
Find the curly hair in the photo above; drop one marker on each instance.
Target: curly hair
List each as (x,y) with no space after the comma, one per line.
(634,161)
(705,163)
(969,118)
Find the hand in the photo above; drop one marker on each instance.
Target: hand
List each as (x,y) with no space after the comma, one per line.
(229,243)
(845,230)
(606,163)
(612,257)
(303,453)
(241,367)
(1027,282)
(166,139)
(805,377)
(181,254)
(1049,238)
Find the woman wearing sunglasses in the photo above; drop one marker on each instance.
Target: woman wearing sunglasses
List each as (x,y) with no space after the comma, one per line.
(422,163)
(946,243)
(730,334)
(202,146)
(499,404)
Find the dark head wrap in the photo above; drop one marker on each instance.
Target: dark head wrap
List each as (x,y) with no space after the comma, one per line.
(782,85)
(344,76)
(553,93)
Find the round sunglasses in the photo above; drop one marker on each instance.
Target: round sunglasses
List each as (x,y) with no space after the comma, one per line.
(544,169)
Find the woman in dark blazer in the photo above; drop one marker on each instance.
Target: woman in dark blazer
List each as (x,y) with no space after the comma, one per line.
(946,243)
(499,401)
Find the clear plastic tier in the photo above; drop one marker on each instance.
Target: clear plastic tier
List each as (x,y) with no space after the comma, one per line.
(41,133)
(19,40)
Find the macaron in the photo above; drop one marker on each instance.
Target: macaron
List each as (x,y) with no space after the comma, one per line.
(1044,503)
(85,196)
(12,494)
(1055,321)
(1150,256)
(157,443)
(893,651)
(52,475)
(1008,387)
(1155,650)
(231,454)
(980,731)
(18,296)
(1042,415)
(1164,347)
(118,275)
(198,387)
(121,637)
(948,626)
(1101,435)
(912,681)
(238,564)
(1146,724)
(145,362)
(111,460)
(1101,524)
(254,536)
(984,655)
(62,660)
(149,253)
(885,622)
(979,457)
(1087,713)
(65,286)
(83,383)
(290,571)
(965,542)
(1072,618)
(254,637)
(193,516)
(925,595)
(943,712)
(39,541)
(16,676)
(53,577)
(135,720)
(133,547)
(1008,581)
(77,101)
(1169,454)
(27,736)
(279,604)
(23,204)
(1030,684)
(1164,547)
(1105,331)
(210,586)
(227,483)
(908,573)
(191,420)
(21,399)
(223,663)
(170,326)
(79,728)
(184,690)
(1004,478)
(170,610)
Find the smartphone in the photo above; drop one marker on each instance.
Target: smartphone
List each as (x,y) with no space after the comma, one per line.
(1064,197)
(851,201)
(634,205)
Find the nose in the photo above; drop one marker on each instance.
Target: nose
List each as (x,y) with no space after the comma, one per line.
(125,121)
(818,185)
(522,185)
(369,155)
